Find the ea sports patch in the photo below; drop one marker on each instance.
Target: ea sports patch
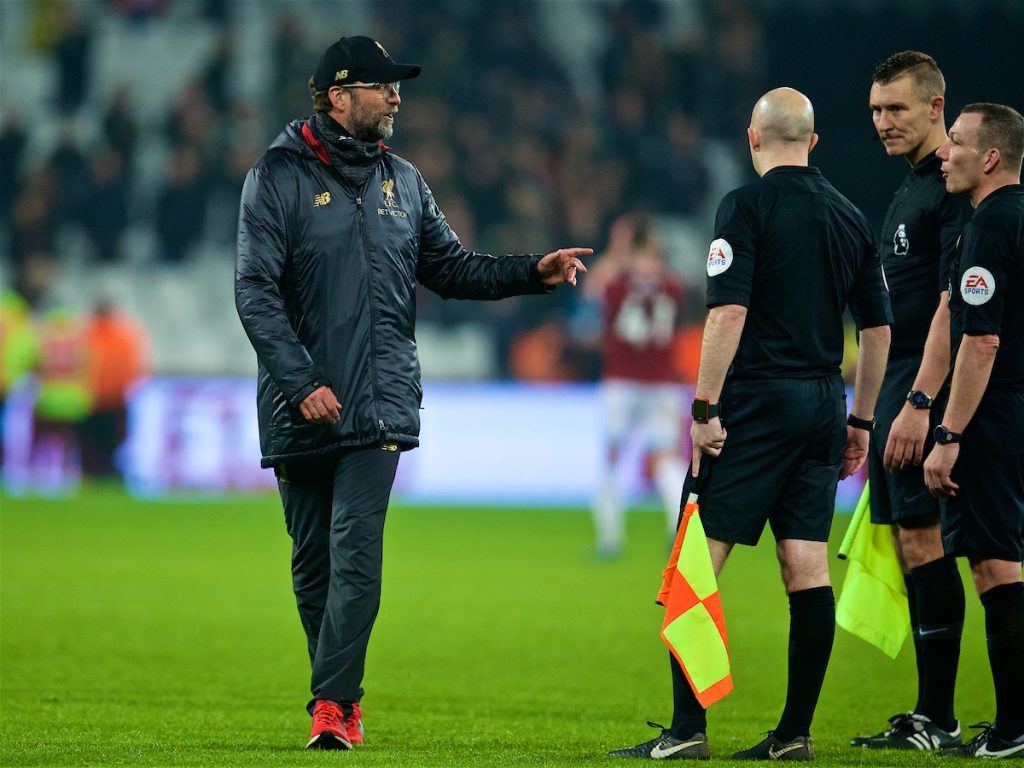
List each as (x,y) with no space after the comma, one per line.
(719,257)
(977,285)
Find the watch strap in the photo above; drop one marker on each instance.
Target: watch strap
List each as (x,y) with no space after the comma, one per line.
(858,423)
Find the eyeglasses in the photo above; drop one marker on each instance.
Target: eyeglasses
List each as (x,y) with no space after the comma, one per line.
(384,89)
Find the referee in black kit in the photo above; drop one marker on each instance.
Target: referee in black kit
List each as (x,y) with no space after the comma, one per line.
(916,247)
(977,463)
(789,255)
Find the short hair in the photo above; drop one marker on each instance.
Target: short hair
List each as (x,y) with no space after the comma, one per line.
(924,72)
(321,101)
(1001,127)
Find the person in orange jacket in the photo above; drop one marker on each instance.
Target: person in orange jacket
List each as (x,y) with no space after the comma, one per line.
(118,356)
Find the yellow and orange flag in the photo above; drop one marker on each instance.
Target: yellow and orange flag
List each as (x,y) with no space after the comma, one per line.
(694,626)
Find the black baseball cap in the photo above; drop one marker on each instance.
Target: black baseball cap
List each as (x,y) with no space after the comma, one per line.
(359,59)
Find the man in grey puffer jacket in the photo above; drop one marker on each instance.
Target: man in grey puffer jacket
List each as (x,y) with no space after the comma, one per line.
(334,233)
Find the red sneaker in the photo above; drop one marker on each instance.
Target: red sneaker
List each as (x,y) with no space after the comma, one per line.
(329,727)
(354,725)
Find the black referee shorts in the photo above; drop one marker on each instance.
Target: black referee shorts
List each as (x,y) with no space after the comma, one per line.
(986,517)
(901,495)
(780,463)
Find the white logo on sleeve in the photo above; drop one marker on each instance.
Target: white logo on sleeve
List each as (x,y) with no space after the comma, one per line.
(977,285)
(719,257)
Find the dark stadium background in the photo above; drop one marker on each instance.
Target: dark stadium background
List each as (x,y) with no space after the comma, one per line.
(128,126)
(164,633)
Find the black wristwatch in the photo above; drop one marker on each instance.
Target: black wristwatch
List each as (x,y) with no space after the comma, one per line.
(858,423)
(944,437)
(703,411)
(919,400)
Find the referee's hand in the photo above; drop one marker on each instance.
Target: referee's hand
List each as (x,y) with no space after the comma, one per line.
(938,468)
(905,445)
(707,438)
(856,452)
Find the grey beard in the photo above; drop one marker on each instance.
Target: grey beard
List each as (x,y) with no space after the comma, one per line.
(375,132)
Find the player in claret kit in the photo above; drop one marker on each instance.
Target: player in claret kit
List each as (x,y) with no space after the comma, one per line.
(642,301)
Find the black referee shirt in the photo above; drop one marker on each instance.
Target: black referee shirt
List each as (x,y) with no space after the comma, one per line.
(916,246)
(987,292)
(796,253)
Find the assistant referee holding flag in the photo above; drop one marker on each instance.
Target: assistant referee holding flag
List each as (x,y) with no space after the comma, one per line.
(790,254)
(916,246)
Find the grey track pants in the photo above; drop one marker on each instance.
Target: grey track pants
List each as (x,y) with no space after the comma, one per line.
(334,509)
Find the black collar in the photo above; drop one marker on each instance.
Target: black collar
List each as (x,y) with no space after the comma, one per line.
(930,163)
(809,170)
(1009,189)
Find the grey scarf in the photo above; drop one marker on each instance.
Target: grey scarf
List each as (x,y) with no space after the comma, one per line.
(353,159)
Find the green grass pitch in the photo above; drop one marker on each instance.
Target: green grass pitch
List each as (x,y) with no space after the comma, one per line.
(165,634)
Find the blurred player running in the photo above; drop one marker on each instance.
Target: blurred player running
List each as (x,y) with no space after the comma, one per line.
(641,299)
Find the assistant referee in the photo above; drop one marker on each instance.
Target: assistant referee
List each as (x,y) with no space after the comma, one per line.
(977,463)
(790,254)
(916,246)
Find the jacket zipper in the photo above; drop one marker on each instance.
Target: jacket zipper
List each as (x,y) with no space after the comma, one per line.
(373,305)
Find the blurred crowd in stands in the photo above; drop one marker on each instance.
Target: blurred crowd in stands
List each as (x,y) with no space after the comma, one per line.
(93,187)
(534,122)
(518,149)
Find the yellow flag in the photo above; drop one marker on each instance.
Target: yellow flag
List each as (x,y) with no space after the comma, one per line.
(873,603)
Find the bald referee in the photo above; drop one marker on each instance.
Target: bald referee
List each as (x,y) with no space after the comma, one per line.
(789,256)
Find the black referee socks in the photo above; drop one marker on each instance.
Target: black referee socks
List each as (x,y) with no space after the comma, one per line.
(914,624)
(1004,626)
(812,628)
(939,597)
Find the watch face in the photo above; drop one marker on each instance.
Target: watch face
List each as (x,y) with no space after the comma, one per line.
(919,399)
(700,410)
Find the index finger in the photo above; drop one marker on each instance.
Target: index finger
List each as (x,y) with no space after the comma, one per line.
(575,253)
